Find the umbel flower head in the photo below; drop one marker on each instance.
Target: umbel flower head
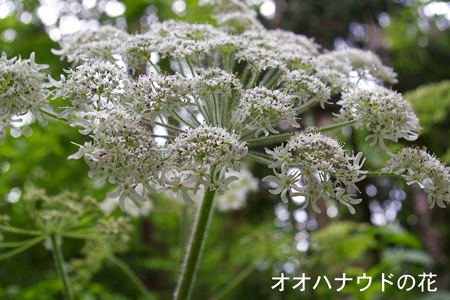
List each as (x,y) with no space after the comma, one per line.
(382,111)
(228,89)
(21,90)
(418,166)
(204,156)
(317,160)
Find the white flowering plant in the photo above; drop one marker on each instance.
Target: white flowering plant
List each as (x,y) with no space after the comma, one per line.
(230,89)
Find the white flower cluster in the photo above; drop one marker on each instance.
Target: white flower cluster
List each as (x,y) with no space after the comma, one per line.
(101,43)
(264,108)
(304,86)
(365,63)
(90,87)
(174,39)
(382,111)
(334,73)
(259,58)
(216,80)
(202,156)
(322,169)
(154,96)
(277,38)
(233,15)
(418,166)
(21,90)
(123,151)
(214,90)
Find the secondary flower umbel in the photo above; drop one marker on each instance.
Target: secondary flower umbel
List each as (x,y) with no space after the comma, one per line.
(316,159)
(22,90)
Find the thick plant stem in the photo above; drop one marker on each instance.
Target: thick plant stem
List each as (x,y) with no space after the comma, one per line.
(59,261)
(127,270)
(195,247)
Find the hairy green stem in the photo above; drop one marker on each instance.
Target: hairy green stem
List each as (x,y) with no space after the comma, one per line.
(267,76)
(305,106)
(269,139)
(380,174)
(167,126)
(129,272)
(169,137)
(259,157)
(223,102)
(274,79)
(195,247)
(194,118)
(50,114)
(181,68)
(216,109)
(232,61)
(252,83)
(205,110)
(183,120)
(190,66)
(225,61)
(244,75)
(154,66)
(62,274)
(336,126)
(199,64)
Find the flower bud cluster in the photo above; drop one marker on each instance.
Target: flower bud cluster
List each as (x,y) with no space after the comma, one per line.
(382,111)
(52,212)
(101,43)
(21,90)
(317,159)
(261,108)
(115,236)
(202,156)
(418,166)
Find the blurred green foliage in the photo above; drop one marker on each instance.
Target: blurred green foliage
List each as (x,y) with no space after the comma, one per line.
(432,104)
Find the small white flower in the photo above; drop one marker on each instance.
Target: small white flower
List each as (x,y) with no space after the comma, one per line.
(285,182)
